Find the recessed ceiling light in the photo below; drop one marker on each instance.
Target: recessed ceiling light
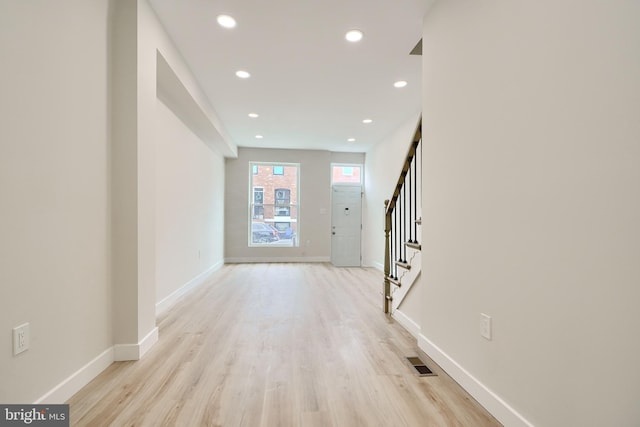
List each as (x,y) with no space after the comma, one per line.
(253,115)
(354,35)
(400,83)
(226,21)
(259,136)
(243,74)
(351,139)
(367,121)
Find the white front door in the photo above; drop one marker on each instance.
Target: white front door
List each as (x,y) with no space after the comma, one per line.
(346,225)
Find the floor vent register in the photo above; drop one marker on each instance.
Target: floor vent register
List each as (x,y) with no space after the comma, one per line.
(420,367)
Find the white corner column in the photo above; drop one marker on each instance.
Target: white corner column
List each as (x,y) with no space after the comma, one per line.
(132,184)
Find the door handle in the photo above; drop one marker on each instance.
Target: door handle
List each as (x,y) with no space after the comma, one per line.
(333,232)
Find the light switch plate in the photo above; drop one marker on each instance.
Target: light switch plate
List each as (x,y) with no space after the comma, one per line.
(485,326)
(20,338)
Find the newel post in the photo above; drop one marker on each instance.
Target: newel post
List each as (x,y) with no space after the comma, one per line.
(387,260)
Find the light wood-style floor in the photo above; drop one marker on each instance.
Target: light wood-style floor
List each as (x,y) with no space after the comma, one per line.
(265,345)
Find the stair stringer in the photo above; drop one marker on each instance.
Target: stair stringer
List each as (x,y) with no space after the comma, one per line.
(407,278)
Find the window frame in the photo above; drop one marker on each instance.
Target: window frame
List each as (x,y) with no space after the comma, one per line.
(292,239)
(360,166)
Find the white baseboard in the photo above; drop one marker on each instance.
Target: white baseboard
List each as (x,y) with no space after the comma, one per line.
(241,260)
(407,323)
(83,376)
(122,352)
(167,302)
(71,385)
(378,266)
(148,341)
(500,409)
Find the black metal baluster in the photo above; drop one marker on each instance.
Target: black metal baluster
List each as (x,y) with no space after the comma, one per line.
(404,219)
(401,220)
(392,250)
(415,195)
(409,223)
(395,225)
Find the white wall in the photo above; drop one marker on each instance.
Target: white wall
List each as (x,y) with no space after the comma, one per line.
(531,206)
(88,157)
(189,205)
(187,142)
(382,168)
(345,157)
(54,186)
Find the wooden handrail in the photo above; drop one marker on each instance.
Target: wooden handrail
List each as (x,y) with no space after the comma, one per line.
(417,136)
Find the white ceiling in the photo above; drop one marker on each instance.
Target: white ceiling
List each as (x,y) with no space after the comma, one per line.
(311,87)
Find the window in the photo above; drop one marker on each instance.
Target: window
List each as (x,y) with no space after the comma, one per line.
(346,174)
(283,201)
(274,200)
(258,203)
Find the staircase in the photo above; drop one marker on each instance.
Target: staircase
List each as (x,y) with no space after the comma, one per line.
(403,217)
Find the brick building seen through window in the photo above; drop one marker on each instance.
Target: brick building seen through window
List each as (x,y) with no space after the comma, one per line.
(346,174)
(274,204)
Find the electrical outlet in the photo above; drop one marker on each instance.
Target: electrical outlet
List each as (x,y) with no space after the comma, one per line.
(20,338)
(485,326)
